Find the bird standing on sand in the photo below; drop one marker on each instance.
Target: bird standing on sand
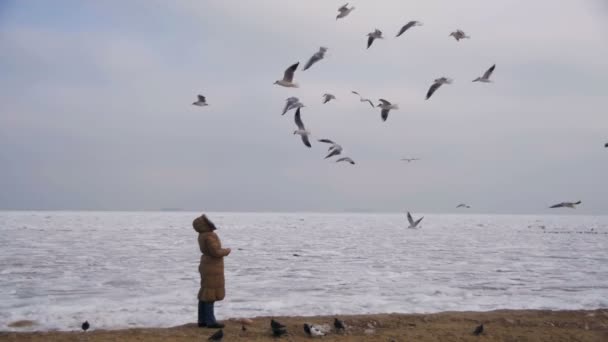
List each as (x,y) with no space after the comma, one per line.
(201,101)
(413,224)
(377,34)
(571,205)
(462,205)
(339,325)
(277,328)
(218,336)
(386,108)
(301,129)
(346,159)
(486,76)
(276,325)
(291,103)
(328,97)
(333,150)
(312,330)
(408,26)
(287,80)
(362,99)
(458,35)
(344,11)
(478,331)
(436,84)
(316,57)
(85,326)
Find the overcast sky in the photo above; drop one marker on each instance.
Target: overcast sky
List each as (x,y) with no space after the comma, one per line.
(95,105)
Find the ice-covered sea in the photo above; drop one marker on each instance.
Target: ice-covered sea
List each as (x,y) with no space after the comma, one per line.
(120,269)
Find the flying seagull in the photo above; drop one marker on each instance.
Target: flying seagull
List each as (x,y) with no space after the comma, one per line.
(436,84)
(410,159)
(571,205)
(413,224)
(363,99)
(344,11)
(339,325)
(312,330)
(201,101)
(386,107)
(478,330)
(334,149)
(486,76)
(377,34)
(85,326)
(458,35)
(346,159)
(408,26)
(328,97)
(218,336)
(291,103)
(316,57)
(301,129)
(462,205)
(287,80)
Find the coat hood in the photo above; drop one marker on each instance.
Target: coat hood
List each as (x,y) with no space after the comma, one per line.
(203,225)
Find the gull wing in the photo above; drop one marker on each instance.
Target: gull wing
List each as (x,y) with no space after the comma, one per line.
(489,72)
(410,219)
(314,59)
(432,89)
(201,98)
(406,27)
(288,76)
(298,120)
(334,152)
(326,141)
(384,102)
(370,40)
(305,140)
(346,159)
(343,8)
(370,102)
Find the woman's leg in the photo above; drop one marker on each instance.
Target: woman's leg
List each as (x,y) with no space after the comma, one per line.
(202,314)
(211,322)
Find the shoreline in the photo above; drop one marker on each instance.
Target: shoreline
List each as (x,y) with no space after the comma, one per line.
(499,325)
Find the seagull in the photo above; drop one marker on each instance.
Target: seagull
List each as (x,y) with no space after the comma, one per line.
(436,84)
(218,336)
(316,57)
(458,35)
(571,205)
(291,103)
(606,145)
(410,159)
(344,11)
(408,26)
(301,129)
(363,99)
(346,159)
(334,149)
(413,224)
(85,326)
(377,34)
(287,80)
(386,107)
(478,330)
(201,101)
(328,97)
(486,76)
(462,205)
(339,325)
(312,330)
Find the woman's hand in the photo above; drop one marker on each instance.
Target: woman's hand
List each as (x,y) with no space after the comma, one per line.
(228,250)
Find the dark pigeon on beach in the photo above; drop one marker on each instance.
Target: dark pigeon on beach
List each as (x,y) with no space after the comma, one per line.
(276,325)
(339,325)
(243,328)
(307,329)
(218,336)
(478,331)
(85,326)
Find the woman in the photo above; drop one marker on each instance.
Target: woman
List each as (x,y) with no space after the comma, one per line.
(211,269)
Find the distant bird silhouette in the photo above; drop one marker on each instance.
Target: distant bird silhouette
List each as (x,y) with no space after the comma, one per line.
(276,325)
(201,101)
(339,325)
(571,205)
(85,326)
(243,328)
(462,205)
(478,331)
(218,336)
(606,145)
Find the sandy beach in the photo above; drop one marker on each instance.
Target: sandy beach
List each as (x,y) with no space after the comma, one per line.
(501,325)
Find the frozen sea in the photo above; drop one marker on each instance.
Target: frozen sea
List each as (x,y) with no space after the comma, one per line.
(131,269)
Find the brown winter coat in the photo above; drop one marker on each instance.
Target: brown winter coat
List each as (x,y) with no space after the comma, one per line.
(211,266)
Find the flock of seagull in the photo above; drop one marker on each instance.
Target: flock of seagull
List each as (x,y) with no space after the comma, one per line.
(384,105)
